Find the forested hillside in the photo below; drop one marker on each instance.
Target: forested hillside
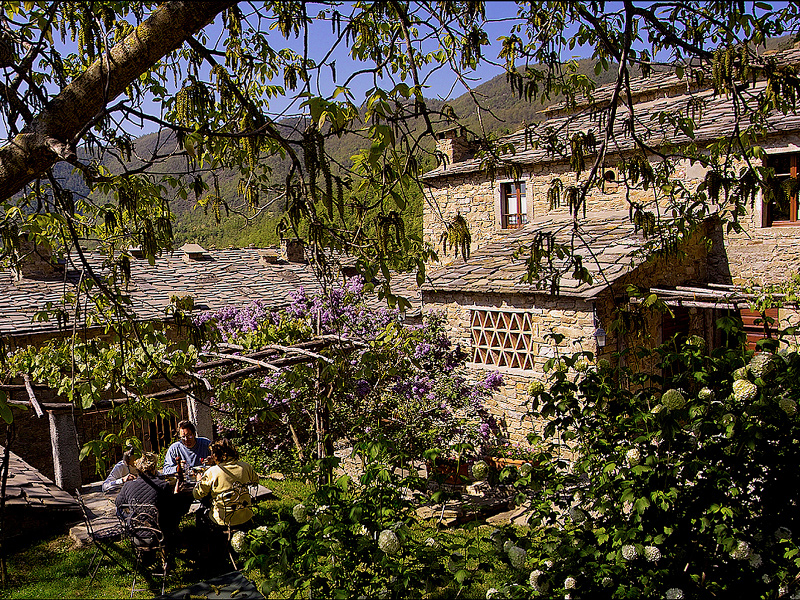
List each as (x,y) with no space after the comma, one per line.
(501,112)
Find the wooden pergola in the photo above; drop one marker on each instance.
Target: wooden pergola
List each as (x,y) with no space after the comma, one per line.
(196,389)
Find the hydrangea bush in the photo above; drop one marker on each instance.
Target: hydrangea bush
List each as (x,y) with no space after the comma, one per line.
(686,478)
(354,538)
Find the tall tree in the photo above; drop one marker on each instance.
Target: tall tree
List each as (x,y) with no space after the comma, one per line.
(77,76)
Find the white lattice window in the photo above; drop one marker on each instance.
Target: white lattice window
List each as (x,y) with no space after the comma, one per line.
(502,338)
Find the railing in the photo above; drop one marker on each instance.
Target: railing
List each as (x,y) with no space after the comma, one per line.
(515,221)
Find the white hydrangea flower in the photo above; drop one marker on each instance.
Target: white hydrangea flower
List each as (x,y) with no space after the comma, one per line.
(788,406)
(795,596)
(533,579)
(673,400)
(432,543)
(629,552)
(548,563)
(364,530)
(388,542)
(517,556)
(633,456)
(239,542)
(674,594)
(744,391)
(756,561)
(491,593)
(300,513)
(705,394)
(570,583)
(766,578)
(783,590)
(761,364)
(607,582)
(577,515)
(525,469)
(652,553)
(480,470)
(742,551)
(263,528)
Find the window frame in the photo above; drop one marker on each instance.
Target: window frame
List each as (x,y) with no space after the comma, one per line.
(517,191)
(503,338)
(767,206)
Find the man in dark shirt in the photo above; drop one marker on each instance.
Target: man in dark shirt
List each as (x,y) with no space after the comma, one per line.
(147,489)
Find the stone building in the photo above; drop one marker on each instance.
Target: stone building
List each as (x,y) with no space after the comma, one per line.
(509,324)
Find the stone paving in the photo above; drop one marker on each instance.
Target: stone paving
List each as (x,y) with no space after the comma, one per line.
(468,502)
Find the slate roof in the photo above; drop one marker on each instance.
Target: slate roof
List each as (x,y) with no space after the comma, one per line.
(28,488)
(232,277)
(605,240)
(716,120)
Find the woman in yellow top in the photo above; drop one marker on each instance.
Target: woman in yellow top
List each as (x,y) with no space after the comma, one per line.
(225,485)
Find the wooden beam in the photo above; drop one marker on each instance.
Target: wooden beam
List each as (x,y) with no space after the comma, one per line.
(34,402)
(243,359)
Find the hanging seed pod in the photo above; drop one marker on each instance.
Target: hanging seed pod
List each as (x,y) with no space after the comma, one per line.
(7,57)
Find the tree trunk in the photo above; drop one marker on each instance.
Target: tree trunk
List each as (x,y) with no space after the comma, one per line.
(52,135)
(10,433)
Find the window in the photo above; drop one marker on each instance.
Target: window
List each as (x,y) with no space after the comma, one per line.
(780,197)
(502,339)
(513,206)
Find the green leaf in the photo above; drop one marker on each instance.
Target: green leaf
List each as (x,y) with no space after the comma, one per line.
(5,409)
(461,576)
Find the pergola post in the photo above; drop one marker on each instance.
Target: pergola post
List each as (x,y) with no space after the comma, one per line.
(199,405)
(66,453)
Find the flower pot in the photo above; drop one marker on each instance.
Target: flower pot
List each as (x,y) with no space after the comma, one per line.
(501,462)
(449,471)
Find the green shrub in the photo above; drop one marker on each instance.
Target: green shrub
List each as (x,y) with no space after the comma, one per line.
(698,501)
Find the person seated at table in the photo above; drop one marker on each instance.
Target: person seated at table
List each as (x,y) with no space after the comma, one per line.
(120,473)
(149,489)
(223,486)
(190,449)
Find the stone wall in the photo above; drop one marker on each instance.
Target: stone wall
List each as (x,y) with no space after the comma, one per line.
(572,317)
(477,199)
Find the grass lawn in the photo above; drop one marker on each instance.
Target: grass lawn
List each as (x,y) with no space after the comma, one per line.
(54,568)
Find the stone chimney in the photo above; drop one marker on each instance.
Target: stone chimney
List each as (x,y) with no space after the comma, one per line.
(454,145)
(193,252)
(292,250)
(269,256)
(34,261)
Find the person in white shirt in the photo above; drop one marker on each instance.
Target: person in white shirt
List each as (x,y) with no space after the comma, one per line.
(121,472)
